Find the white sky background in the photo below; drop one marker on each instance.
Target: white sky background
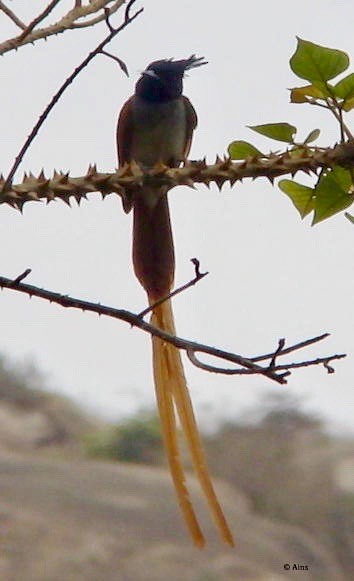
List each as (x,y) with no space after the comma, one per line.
(271,275)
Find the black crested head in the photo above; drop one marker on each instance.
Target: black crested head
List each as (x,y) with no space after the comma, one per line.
(163,80)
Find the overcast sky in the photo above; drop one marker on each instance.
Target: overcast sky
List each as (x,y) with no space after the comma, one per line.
(271,274)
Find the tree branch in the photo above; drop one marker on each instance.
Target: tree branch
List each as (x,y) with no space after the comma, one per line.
(198,276)
(68,22)
(37,20)
(12,16)
(62,186)
(191,347)
(113,32)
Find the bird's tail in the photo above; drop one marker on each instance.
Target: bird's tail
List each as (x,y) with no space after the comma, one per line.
(173,395)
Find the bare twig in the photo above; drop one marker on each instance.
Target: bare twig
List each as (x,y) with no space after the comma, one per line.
(127,20)
(121,63)
(67,22)
(285,367)
(191,347)
(296,347)
(37,20)
(319,361)
(277,352)
(98,18)
(12,16)
(198,276)
(21,276)
(328,106)
(220,370)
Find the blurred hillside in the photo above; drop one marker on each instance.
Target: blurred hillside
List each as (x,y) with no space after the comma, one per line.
(286,486)
(31,418)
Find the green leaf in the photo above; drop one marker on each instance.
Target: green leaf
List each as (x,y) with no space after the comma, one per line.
(300,195)
(301,94)
(349,216)
(242,150)
(333,193)
(279,131)
(348,104)
(345,88)
(312,136)
(317,63)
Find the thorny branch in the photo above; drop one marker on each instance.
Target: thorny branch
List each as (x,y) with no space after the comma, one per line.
(62,186)
(48,9)
(69,21)
(247,365)
(112,33)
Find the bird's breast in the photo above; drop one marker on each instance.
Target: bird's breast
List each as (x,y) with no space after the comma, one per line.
(159,132)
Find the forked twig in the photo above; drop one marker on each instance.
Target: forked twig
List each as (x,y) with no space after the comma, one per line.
(113,32)
(198,276)
(77,17)
(247,365)
(38,19)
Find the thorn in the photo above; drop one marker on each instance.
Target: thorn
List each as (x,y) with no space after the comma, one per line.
(219,182)
(66,199)
(187,182)
(64,178)
(50,196)
(225,164)
(92,170)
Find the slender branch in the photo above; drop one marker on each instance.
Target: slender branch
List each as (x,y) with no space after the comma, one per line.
(67,22)
(12,16)
(99,18)
(220,370)
(343,127)
(286,366)
(113,32)
(198,276)
(121,63)
(191,347)
(38,19)
(320,360)
(296,347)
(21,276)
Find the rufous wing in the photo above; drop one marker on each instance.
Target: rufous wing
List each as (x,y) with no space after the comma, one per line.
(124,145)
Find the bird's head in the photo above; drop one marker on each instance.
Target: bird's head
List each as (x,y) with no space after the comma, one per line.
(163,80)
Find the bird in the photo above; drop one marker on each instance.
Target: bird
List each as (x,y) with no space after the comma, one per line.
(156,126)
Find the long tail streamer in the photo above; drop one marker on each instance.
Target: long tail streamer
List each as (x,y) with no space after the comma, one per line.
(173,396)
